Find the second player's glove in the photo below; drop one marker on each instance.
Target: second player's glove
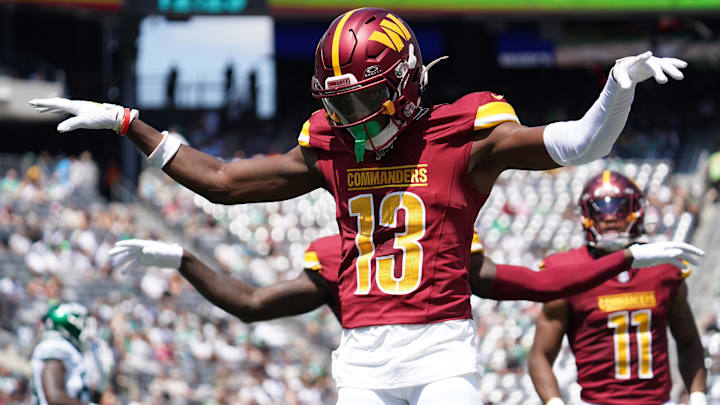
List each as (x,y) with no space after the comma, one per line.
(678,254)
(87,114)
(139,252)
(635,69)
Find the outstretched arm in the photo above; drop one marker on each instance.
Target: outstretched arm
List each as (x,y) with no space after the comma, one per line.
(505,282)
(247,180)
(250,304)
(691,357)
(513,146)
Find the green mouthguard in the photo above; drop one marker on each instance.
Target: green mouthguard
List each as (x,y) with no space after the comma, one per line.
(360,134)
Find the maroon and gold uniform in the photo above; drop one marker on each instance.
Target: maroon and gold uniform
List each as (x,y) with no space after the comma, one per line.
(324,256)
(617,332)
(406,220)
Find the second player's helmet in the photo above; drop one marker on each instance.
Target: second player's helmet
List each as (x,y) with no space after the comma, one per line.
(610,195)
(369,76)
(70,320)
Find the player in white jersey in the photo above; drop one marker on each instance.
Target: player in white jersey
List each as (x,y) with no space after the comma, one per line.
(59,374)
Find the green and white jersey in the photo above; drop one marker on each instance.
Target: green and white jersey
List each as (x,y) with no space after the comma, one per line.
(55,347)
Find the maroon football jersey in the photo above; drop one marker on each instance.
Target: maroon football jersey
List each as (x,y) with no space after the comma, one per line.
(323,256)
(406,220)
(617,332)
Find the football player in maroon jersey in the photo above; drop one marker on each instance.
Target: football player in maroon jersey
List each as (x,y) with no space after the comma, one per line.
(408,181)
(617,330)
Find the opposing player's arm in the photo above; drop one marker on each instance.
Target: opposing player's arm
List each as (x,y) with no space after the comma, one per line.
(505,282)
(550,328)
(245,180)
(53,384)
(691,358)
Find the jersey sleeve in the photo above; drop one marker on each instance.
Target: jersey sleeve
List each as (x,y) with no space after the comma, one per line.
(472,112)
(311,262)
(316,132)
(476,246)
(492,110)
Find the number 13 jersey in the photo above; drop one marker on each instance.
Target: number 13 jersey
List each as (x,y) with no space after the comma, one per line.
(406,220)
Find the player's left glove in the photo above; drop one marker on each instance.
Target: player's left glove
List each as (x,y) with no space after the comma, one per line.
(635,69)
(657,253)
(87,114)
(139,252)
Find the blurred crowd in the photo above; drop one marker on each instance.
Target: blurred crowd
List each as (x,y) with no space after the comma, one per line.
(170,346)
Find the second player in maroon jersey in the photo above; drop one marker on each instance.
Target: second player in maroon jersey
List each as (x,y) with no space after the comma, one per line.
(617,330)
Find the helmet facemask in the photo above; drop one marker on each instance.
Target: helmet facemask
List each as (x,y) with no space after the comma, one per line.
(610,208)
(367,109)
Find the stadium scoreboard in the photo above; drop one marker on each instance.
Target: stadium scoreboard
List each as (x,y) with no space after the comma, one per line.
(188,7)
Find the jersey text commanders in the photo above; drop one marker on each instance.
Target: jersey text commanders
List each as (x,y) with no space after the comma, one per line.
(633,300)
(386,177)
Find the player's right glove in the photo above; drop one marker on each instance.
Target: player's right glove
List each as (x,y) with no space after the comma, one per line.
(87,114)
(678,254)
(635,69)
(139,252)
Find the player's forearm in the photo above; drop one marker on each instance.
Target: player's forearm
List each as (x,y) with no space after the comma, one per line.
(193,169)
(691,362)
(521,283)
(233,295)
(543,378)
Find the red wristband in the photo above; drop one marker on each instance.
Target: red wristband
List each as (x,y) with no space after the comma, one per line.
(126,122)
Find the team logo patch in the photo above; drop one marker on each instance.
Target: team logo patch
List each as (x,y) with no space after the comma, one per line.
(371,71)
(394,34)
(620,302)
(387,177)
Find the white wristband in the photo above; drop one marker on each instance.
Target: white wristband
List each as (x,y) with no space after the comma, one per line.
(166,149)
(697,398)
(555,401)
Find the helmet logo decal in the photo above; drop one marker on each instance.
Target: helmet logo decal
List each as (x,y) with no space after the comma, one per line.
(395,34)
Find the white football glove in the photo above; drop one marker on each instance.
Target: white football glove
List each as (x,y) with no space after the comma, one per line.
(676,253)
(635,69)
(87,114)
(139,252)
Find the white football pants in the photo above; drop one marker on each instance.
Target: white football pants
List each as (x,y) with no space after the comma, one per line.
(459,390)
